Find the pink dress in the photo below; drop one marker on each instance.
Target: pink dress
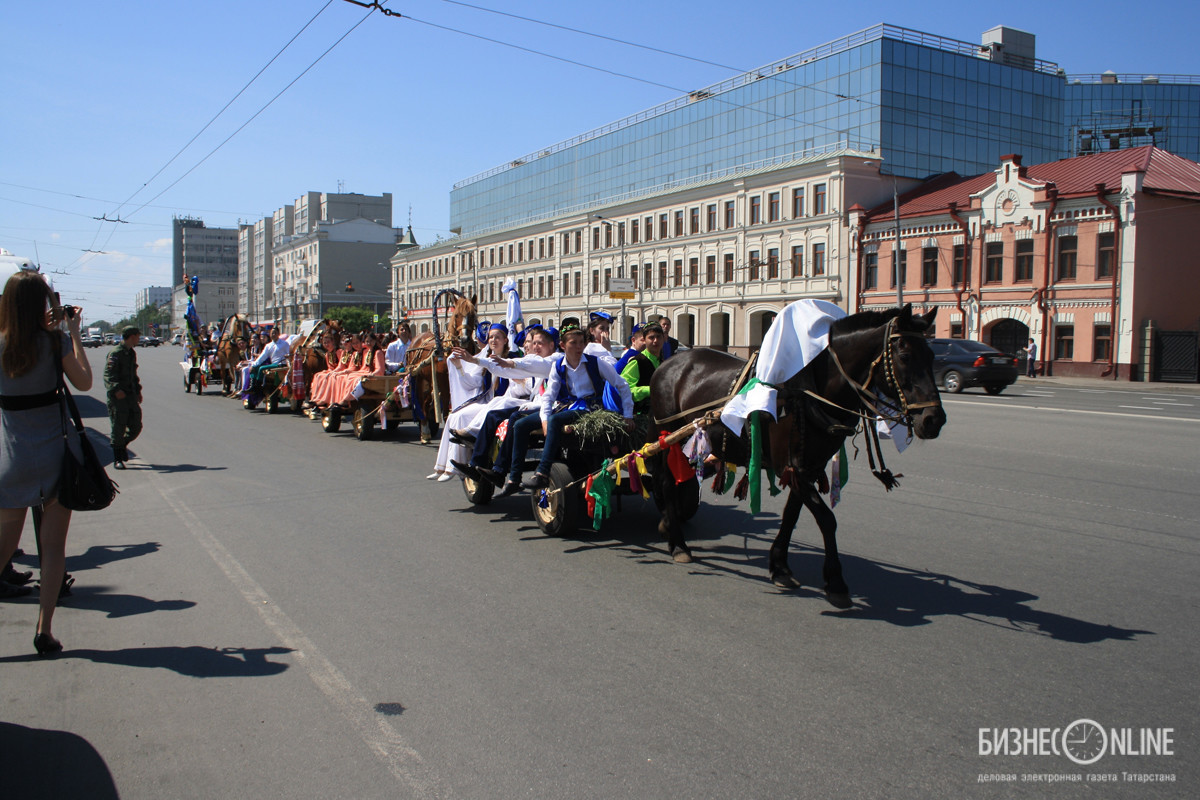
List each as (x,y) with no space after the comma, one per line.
(324,382)
(348,380)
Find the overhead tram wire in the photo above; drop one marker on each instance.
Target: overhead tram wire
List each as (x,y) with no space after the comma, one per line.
(241,91)
(776,117)
(254,116)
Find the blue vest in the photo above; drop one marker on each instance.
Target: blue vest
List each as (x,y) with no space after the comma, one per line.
(588,402)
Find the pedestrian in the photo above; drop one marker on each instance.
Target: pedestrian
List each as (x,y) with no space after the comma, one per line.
(1030,352)
(124,395)
(671,345)
(32,354)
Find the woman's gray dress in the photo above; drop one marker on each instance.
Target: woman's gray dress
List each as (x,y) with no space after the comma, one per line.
(31,441)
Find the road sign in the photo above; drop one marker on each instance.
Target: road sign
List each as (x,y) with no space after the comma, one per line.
(622,285)
(622,295)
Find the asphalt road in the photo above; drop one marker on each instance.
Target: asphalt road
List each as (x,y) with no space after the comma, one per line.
(271,611)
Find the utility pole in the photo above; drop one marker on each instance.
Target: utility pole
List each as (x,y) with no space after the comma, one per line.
(896,251)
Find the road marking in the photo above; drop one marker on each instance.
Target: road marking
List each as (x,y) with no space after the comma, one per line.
(979,404)
(405,763)
(1093,391)
(1170,403)
(1143,408)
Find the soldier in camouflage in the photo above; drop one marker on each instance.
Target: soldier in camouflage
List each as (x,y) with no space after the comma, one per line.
(124,395)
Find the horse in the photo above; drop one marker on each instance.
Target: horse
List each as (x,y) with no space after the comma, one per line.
(870,354)
(425,360)
(308,358)
(228,356)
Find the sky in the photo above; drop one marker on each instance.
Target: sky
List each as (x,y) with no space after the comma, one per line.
(105,105)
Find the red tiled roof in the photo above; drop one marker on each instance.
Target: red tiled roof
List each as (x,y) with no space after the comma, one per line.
(1164,172)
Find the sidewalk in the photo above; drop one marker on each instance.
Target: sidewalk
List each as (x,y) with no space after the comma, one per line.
(1140,387)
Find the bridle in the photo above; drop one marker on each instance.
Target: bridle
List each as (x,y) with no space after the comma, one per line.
(890,385)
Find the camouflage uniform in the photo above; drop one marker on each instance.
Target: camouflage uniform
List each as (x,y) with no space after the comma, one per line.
(120,373)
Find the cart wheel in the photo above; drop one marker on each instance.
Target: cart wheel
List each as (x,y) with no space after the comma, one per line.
(364,425)
(560,517)
(478,492)
(249,403)
(331,420)
(688,498)
(272,402)
(296,403)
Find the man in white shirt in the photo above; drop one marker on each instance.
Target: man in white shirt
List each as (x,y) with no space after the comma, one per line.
(394,356)
(276,352)
(575,386)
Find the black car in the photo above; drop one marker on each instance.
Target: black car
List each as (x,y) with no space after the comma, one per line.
(961,363)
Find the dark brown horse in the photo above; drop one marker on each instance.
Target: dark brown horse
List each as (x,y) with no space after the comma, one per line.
(425,360)
(228,355)
(868,353)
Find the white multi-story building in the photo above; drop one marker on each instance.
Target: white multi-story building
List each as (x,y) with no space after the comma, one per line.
(719,258)
(152,296)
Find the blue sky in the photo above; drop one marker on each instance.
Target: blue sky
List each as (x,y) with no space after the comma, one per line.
(97,98)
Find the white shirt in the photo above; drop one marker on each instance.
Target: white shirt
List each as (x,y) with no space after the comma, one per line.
(527,377)
(395,354)
(274,353)
(579,384)
(600,351)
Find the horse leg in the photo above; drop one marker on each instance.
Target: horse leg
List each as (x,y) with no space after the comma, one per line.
(777,561)
(666,497)
(836,590)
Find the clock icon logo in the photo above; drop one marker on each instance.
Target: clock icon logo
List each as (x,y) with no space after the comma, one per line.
(1084,741)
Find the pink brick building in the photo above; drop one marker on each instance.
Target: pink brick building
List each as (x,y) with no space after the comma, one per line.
(1091,256)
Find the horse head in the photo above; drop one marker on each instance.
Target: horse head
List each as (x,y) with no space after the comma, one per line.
(887,353)
(463,324)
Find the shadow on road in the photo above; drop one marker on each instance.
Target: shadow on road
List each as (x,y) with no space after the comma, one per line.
(51,764)
(99,555)
(193,661)
(96,598)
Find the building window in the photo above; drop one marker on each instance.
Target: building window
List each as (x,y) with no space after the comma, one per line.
(649,229)
(634,231)
(1068,258)
(542,247)
(755,210)
(550,286)
(595,281)
(647,274)
(798,202)
(541,286)
(772,263)
(710,270)
(1064,341)
(596,238)
(898,266)
(729,206)
(956,330)
(871,271)
(608,235)
(679,222)
(994,266)
(1024,267)
(1106,256)
(754,265)
(797,261)
(578,282)
(693,271)
(712,216)
(550,247)
(728,268)
(566,244)
(662,226)
(607,279)
(662,274)
(694,220)
(773,207)
(929,264)
(960,264)
(818,259)
(819,199)
(1101,342)
(579,241)
(520,251)
(510,254)
(679,272)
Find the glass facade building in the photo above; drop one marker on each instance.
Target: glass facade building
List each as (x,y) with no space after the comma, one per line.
(926,103)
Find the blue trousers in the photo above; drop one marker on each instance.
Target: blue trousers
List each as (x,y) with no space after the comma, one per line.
(483,440)
(516,443)
(554,429)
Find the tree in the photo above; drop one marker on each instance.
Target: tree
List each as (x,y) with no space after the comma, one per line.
(356,318)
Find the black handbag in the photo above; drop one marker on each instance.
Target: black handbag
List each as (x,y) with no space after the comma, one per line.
(83,485)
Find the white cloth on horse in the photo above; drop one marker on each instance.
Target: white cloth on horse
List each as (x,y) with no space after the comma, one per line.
(512,314)
(795,338)
(886,428)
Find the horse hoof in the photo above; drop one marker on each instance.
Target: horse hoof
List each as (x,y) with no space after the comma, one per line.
(839,600)
(682,557)
(784,580)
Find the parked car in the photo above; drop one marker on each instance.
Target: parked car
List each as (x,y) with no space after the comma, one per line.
(149,341)
(177,340)
(92,341)
(962,363)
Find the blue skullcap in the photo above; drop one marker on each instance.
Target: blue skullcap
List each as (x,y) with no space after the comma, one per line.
(600,316)
(497,326)
(637,328)
(553,333)
(519,339)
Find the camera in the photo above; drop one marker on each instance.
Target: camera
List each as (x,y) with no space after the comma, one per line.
(70,311)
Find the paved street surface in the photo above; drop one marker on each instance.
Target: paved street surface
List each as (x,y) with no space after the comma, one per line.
(271,611)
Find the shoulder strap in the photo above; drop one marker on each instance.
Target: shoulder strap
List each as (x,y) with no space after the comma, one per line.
(593,369)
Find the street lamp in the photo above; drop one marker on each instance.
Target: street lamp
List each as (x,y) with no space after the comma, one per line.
(620,272)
